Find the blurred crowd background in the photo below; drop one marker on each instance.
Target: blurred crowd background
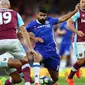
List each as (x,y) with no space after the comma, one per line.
(27,8)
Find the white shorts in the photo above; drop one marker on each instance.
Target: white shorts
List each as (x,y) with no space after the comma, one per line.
(12,46)
(4,58)
(79,48)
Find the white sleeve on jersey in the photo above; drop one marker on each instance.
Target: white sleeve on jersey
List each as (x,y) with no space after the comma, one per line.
(20,22)
(76,16)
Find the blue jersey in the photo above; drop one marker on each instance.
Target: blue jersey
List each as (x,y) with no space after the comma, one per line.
(44,31)
(67,37)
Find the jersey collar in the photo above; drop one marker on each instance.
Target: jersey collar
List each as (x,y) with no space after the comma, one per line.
(82,10)
(38,21)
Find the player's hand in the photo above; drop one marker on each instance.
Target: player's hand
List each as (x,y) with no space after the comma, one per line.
(39,40)
(32,52)
(63,32)
(19,34)
(80,34)
(77,7)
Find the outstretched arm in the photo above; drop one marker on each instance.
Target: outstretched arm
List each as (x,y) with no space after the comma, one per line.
(67,16)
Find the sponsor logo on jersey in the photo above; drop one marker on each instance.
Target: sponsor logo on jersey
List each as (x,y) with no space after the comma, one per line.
(82,20)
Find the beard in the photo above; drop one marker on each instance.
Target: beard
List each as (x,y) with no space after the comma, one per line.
(42,21)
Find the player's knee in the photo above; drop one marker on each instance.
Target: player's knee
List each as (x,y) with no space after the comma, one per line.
(18,64)
(14,63)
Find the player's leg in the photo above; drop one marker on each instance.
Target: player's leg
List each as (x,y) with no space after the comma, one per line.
(7,60)
(52,64)
(63,57)
(19,53)
(64,52)
(36,67)
(54,75)
(22,75)
(26,72)
(75,68)
(14,77)
(80,62)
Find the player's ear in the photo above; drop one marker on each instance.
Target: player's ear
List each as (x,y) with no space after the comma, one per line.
(37,14)
(9,6)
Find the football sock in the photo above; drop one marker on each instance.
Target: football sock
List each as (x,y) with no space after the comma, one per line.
(75,67)
(26,73)
(36,68)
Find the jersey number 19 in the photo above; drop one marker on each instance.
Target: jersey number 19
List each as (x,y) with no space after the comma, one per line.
(5,18)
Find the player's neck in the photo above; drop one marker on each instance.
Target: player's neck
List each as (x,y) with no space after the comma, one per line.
(40,22)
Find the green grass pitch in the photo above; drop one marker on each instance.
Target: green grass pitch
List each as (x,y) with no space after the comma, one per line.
(62,81)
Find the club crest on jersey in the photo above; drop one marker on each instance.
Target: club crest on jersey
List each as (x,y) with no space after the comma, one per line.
(46,22)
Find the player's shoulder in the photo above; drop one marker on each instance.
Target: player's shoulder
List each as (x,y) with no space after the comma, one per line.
(11,10)
(34,22)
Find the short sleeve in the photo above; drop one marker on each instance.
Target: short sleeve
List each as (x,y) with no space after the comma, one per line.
(29,27)
(19,21)
(54,20)
(76,16)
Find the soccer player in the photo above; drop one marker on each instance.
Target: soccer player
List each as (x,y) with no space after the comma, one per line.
(79,41)
(42,28)
(12,52)
(65,45)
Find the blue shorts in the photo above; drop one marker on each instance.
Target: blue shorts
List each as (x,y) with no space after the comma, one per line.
(65,49)
(51,59)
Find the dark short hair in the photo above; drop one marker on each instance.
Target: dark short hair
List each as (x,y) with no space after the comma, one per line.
(42,9)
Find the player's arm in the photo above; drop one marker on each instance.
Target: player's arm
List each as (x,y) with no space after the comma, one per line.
(24,32)
(72,28)
(26,37)
(61,32)
(36,39)
(30,30)
(67,16)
